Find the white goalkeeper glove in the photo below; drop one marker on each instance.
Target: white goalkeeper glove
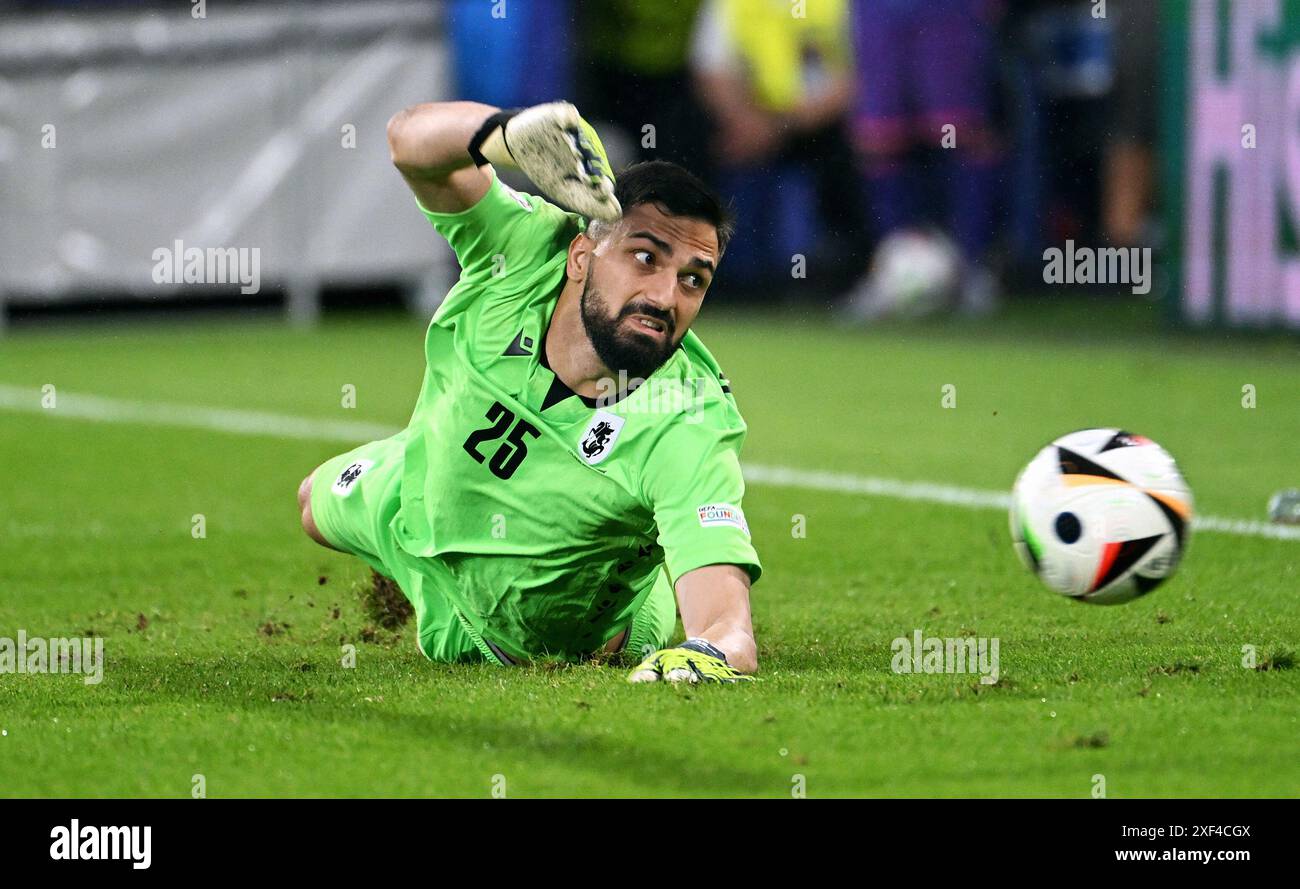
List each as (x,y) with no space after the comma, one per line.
(559,151)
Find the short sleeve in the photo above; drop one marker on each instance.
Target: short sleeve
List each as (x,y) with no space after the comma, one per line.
(504,231)
(695,488)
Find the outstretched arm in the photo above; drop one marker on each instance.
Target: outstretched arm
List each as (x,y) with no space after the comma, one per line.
(719,646)
(429,144)
(444,149)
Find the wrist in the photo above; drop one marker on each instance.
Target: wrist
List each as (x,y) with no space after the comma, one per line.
(703,646)
(488,145)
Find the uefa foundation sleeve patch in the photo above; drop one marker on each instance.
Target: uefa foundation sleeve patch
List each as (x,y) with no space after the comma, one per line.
(518,198)
(722,514)
(348,477)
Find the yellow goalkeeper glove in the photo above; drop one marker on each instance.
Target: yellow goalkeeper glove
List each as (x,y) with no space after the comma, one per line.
(695,660)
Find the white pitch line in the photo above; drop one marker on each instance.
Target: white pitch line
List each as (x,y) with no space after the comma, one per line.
(869,486)
(975,498)
(214,419)
(264,423)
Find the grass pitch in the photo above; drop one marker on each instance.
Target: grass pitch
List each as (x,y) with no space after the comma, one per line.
(223,653)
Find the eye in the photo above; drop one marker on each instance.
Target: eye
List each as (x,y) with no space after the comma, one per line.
(693,281)
(645,257)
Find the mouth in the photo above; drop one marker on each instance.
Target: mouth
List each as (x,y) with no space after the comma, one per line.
(647,325)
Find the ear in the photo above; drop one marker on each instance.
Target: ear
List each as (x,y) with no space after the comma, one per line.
(579,261)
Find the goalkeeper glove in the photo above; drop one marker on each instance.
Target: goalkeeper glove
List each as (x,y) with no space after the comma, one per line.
(554,147)
(695,660)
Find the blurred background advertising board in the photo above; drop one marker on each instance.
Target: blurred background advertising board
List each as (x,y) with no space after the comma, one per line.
(1232,148)
(251,140)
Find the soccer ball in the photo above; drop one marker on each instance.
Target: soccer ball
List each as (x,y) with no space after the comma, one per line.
(1101,515)
(913,273)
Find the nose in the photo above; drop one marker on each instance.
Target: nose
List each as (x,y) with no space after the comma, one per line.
(662,294)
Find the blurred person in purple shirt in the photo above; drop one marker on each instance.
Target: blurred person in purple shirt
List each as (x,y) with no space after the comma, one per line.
(926,69)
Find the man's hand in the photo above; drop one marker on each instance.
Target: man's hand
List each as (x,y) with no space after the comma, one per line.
(554,147)
(695,660)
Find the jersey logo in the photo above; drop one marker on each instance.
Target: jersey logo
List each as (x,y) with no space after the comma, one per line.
(518,198)
(348,477)
(520,345)
(600,436)
(722,514)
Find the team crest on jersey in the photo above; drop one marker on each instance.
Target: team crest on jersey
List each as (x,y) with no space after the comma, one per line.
(348,477)
(600,436)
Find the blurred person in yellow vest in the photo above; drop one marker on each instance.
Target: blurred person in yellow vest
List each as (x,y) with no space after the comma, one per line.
(777,77)
(772,70)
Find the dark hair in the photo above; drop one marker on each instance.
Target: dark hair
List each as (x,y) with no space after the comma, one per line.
(678,192)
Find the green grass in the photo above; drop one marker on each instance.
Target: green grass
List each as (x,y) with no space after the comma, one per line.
(95,523)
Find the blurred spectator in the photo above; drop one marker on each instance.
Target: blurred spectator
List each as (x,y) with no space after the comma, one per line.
(520,58)
(1059,61)
(778,81)
(634,58)
(926,88)
(1129,171)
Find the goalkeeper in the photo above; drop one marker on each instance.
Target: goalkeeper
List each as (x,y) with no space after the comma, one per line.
(572,459)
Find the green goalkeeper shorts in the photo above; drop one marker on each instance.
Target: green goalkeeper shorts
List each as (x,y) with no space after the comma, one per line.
(354,498)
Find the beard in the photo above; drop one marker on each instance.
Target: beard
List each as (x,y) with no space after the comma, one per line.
(621,350)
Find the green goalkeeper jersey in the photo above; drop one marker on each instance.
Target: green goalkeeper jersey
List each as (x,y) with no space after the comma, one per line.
(556,513)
